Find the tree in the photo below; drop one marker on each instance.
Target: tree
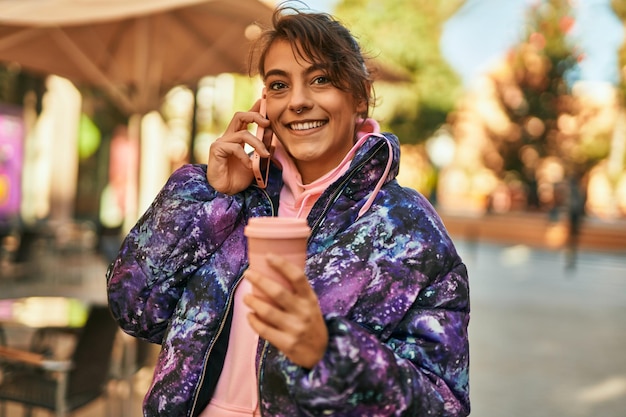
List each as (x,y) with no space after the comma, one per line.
(405,34)
(539,66)
(549,123)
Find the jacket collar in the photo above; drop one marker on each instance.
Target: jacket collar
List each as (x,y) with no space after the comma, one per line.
(371,166)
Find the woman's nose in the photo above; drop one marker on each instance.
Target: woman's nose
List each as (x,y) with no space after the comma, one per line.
(300,100)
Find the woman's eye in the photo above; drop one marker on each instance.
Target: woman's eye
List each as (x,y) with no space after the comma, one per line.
(322,79)
(277,85)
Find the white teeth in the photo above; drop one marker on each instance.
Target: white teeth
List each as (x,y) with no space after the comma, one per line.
(306,125)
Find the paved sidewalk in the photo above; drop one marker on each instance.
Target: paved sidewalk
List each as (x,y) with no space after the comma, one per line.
(546,341)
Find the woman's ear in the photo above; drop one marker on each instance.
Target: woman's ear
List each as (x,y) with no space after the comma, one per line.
(363,105)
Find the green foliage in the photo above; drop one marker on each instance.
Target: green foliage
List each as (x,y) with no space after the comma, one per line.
(89,137)
(405,34)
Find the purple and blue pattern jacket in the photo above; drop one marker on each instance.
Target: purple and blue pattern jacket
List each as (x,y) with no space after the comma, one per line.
(392,288)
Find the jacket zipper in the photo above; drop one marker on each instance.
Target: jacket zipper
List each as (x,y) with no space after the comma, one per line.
(269,199)
(229,305)
(258,376)
(259,370)
(221,328)
(340,187)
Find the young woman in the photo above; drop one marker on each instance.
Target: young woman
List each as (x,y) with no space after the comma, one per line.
(376,323)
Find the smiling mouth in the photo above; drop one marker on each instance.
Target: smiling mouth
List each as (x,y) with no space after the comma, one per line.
(307,125)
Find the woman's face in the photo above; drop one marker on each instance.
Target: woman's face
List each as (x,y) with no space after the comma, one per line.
(313,119)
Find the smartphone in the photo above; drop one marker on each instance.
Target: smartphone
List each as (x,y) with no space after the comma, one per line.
(260,165)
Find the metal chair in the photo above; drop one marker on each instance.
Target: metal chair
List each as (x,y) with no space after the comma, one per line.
(66,385)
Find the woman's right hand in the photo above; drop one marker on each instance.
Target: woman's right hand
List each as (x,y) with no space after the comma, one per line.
(229,168)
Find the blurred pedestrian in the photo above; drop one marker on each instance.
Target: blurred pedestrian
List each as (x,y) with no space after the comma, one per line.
(576,199)
(376,323)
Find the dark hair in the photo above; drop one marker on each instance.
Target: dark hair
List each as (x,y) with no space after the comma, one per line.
(317,38)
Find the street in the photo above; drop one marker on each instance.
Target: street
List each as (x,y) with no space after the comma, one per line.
(546,341)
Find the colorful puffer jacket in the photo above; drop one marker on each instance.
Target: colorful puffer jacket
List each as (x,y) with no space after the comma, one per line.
(390,283)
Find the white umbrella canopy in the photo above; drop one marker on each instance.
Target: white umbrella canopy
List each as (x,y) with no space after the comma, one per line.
(135,50)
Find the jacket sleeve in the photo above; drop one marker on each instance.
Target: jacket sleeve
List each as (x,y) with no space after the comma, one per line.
(185,224)
(421,370)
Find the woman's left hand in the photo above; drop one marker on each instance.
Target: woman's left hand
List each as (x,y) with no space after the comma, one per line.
(292,321)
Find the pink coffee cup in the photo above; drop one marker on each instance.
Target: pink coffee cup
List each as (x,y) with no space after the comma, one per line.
(283,236)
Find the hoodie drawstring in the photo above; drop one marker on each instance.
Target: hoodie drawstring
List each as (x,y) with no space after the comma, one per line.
(382,179)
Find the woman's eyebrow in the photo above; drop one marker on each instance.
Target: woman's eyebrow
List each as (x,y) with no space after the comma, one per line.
(276,72)
(316,67)
(282,73)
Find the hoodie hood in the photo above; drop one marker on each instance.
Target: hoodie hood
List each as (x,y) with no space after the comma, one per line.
(297,199)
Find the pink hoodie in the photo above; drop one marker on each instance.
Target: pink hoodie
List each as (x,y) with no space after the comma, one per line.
(297,199)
